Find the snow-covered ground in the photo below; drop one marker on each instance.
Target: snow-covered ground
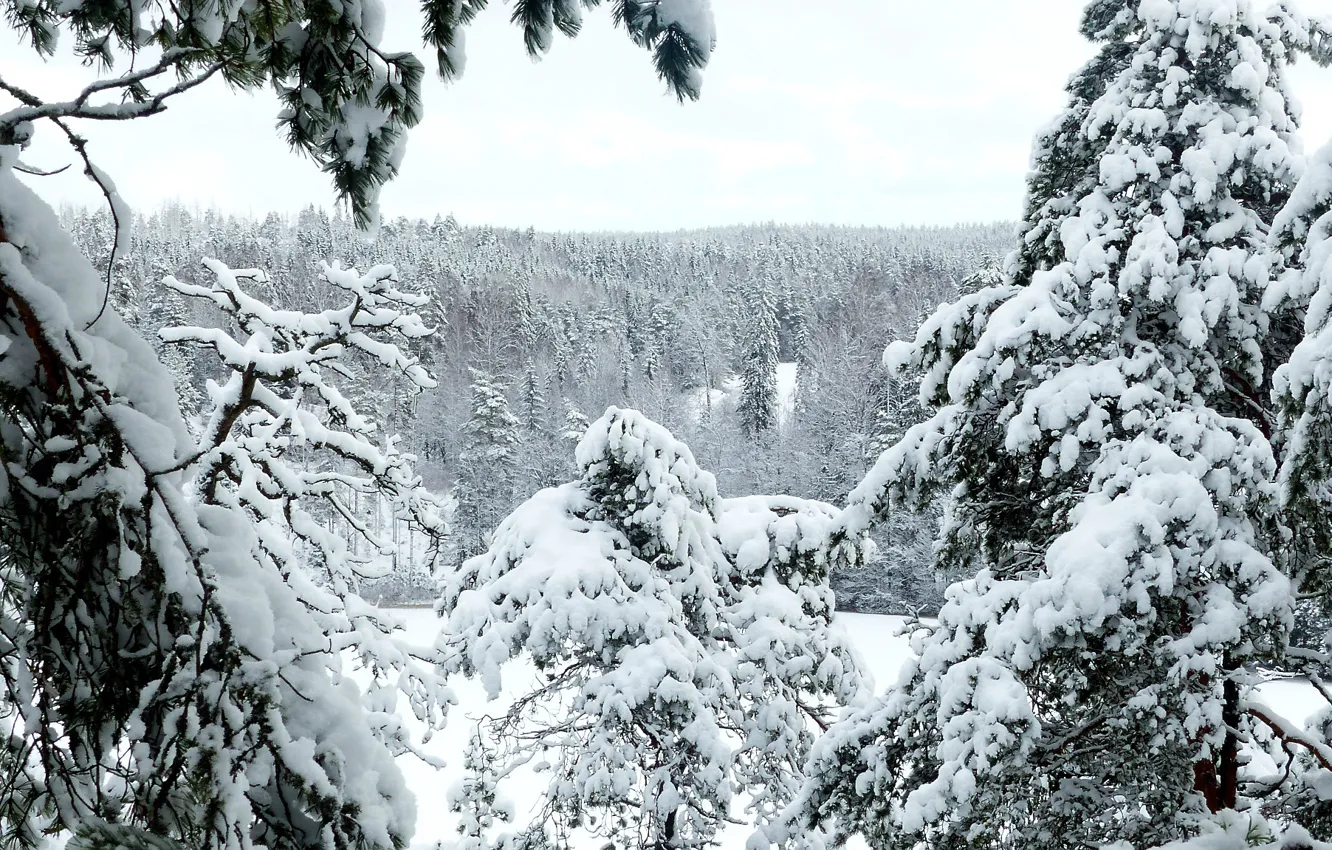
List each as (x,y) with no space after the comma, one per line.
(882,652)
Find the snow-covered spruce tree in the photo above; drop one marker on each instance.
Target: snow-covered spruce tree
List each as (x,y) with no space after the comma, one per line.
(534,400)
(486,467)
(541,459)
(1095,419)
(758,371)
(683,645)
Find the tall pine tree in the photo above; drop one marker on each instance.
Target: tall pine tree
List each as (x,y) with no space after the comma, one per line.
(1095,419)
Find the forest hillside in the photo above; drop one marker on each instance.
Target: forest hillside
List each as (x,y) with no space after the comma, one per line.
(541,332)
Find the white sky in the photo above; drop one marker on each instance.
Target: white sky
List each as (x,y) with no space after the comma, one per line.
(838,111)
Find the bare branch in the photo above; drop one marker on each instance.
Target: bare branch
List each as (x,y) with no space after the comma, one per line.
(80,146)
(37,172)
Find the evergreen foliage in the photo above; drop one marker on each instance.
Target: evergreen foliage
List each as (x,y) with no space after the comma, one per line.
(487,466)
(1094,417)
(682,643)
(758,375)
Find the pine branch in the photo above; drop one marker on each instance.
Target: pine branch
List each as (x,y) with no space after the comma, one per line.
(35,109)
(1290,735)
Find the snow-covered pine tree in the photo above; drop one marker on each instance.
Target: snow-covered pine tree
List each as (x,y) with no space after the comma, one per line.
(158,673)
(793,670)
(283,443)
(1302,391)
(1094,419)
(487,463)
(758,374)
(683,643)
(575,425)
(627,649)
(168,663)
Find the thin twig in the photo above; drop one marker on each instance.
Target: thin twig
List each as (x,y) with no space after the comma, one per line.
(80,146)
(37,172)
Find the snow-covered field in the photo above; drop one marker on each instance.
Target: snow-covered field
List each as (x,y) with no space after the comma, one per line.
(882,652)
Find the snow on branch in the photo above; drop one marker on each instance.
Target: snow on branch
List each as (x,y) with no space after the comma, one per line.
(1290,735)
(284,445)
(684,643)
(282,399)
(169,662)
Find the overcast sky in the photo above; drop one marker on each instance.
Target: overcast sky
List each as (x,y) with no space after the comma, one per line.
(877,112)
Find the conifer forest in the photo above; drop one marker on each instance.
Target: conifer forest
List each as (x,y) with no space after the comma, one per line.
(332,528)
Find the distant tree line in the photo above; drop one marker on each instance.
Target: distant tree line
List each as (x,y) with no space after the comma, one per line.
(540,332)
